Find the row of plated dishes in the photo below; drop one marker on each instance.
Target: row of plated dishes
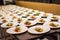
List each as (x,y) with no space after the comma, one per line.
(19,20)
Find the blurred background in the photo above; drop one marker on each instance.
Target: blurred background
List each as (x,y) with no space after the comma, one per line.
(42,1)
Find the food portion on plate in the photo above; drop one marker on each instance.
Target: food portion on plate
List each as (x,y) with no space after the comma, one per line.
(54,25)
(37,14)
(25,10)
(27,23)
(1,15)
(41,21)
(32,18)
(14,17)
(45,15)
(38,29)
(16,12)
(54,18)
(19,20)
(25,15)
(19,14)
(17,29)
(32,10)
(10,14)
(4,20)
(9,24)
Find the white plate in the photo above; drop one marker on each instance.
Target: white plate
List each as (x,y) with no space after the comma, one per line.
(55,16)
(4,24)
(11,30)
(55,24)
(48,14)
(33,18)
(43,19)
(32,23)
(32,31)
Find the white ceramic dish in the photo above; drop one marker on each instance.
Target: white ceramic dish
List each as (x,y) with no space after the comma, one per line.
(56,23)
(32,23)
(11,30)
(33,31)
(43,19)
(4,24)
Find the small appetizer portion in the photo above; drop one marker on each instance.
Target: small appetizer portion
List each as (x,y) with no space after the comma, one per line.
(25,10)
(54,18)
(42,20)
(27,23)
(16,12)
(14,17)
(30,12)
(19,14)
(11,14)
(24,16)
(38,29)
(53,25)
(33,10)
(9,24)
(32,18)
(4,20)
(0,15)
(36,14)
(27,14)
(19,20)
(17,29)
(45,15)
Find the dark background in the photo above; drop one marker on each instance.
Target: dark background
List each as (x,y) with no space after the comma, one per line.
(46,1)
(42,1)
(1,2)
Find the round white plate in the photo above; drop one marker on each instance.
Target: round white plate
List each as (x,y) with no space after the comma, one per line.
(11,30)
(32,23)
(33,18)
(55,24)
(4,24)
(43,19)
(32,31)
